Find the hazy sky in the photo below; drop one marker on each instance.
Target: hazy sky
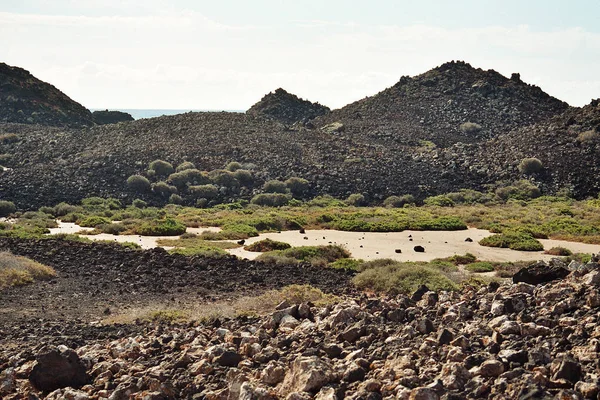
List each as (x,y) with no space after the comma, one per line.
(226,54)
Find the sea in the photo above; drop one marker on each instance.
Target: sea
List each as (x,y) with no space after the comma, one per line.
(150,113)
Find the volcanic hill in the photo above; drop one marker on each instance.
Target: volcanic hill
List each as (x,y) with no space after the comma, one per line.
(27,100)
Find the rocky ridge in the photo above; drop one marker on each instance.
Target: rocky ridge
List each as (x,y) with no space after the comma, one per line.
(287,108)
(513,340)
(28,100)
(110,117)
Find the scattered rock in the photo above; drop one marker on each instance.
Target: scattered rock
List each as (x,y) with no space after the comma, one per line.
(58,369)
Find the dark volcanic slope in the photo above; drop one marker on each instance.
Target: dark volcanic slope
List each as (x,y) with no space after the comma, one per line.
(287,108)
(25,99)
(568,145)
(434,105)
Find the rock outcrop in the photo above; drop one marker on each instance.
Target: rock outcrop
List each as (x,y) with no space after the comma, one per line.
(110,117)
(287,108)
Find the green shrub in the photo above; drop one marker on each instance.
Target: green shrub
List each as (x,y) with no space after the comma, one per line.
(138,183)
(267,245)
(163,189)
(356,200)
(513,240)
(233,166)
(139,203)
(393,276)
(247,230)
(274,186)
(204,191)
(530,166)
(223,178)
(112,229)
(244,177)
(188,177)
(470,127)
(62,209)
(321,255)
(468,196)
(399,201)
(271,199)
(7,208)
(462,259)
(521,190)
(326,201)
(481,266)
(441,200)
(93,221)
(185,165)
(346,263)
(175,199)
(445,223)
(297,186)
(161,167)
(166,227)
(559,251)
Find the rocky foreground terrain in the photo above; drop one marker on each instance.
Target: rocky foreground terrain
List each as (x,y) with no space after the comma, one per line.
(514,340)
(450,128)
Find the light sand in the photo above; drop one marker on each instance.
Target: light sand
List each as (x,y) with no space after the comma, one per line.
(370,246)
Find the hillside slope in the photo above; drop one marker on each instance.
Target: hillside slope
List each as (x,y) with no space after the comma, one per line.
(28,100)
(287,108)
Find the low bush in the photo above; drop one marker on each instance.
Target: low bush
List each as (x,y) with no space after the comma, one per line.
(244,177)
(399,201)
(163,189)
(175,199)
(166,227)
(441,201)
(275,186)
(223,178)
(470,127)
(267,245)
(93,221)
(313,254)
(271,199)
(161,167)
(297,186)
(462,259)
(559,251)
(112,229)
(7,208)
(139,183)
(530,165)
(188,177)
(521,190)
(350,264)
(233,166)
(208,192)
(478,267)
(356,200)
(139,203)
(513,240)
(185,165)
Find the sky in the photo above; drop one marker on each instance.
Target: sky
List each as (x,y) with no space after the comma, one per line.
(227,54)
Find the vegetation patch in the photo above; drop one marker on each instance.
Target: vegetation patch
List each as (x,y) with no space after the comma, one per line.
(19,271)
(481,266)
(513,240)
(316,255)
(559,251)
(166,227)
(401,277)
(267,245)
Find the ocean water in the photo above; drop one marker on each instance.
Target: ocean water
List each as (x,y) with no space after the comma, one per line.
(150,113)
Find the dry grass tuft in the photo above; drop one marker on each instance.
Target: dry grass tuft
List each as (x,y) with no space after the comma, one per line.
(19,271)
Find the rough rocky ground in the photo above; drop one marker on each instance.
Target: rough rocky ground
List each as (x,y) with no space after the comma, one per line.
(509,341)
(95,277)
(287,108)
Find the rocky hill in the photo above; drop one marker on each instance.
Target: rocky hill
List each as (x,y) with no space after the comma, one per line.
(451,103)
(27,100)
(287,108)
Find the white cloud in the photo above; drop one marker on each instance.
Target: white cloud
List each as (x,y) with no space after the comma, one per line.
(181,59)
